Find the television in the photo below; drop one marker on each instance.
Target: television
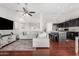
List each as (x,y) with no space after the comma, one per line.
(6,24)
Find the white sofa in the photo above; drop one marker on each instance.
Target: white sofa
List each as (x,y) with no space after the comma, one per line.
(27,35)
(6,37)
(42,41)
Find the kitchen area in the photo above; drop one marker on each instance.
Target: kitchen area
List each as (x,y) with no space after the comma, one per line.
(65,31)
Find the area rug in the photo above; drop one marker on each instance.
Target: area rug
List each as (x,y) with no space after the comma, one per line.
(20,45)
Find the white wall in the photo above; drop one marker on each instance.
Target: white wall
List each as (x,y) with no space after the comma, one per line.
(7,13)
(21,20)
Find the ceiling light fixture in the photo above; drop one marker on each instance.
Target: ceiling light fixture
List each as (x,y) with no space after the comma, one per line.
(25,10)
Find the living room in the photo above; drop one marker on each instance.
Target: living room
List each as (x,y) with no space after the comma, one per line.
(38,28)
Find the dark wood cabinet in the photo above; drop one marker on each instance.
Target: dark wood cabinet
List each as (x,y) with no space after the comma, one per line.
(77,22)
(71,35)
(70,23)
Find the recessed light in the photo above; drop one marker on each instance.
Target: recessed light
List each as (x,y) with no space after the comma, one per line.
(71,7)
(58,7)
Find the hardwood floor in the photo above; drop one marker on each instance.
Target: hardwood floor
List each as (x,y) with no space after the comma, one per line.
(56,49)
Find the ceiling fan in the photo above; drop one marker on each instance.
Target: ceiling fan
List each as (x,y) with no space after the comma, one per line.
(25,11)
(28,12)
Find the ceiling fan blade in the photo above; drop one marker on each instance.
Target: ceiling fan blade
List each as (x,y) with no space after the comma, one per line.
(25,10)
(31,12)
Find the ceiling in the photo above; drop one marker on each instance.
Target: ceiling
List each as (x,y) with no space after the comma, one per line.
(46,8)
(52,10)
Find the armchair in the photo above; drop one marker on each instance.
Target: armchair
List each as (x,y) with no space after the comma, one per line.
(41,41)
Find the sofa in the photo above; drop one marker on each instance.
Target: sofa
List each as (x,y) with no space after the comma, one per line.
(6,37)
(27,35)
